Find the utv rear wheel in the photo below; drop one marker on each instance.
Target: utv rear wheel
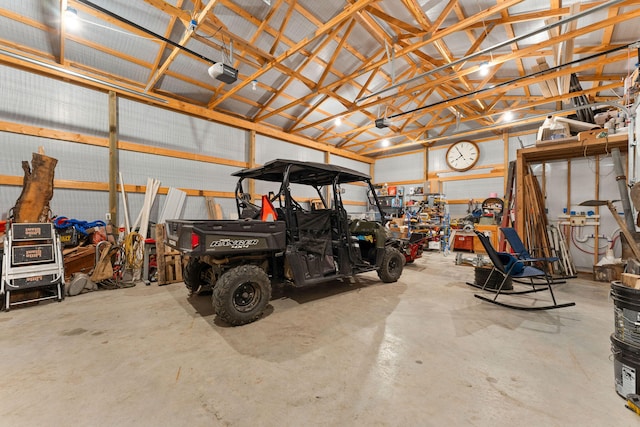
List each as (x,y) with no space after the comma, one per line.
(392,264)
(197,276)
(241,294)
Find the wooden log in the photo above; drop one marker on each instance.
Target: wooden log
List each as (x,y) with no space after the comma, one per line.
(37,189)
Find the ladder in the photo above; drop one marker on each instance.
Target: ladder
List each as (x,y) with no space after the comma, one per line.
(32,260)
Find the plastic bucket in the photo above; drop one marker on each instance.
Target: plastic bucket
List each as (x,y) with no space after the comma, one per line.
(482,274)
(626,367)
(626,313)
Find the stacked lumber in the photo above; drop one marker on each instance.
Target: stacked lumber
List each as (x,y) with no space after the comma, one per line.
(535,218)
(213,209)
(169,261)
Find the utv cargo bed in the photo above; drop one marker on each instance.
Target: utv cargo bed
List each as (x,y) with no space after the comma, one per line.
(225,237)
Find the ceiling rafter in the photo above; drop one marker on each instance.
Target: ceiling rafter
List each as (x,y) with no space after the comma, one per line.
(394,22)
(283,25)
(320,32)
(188,33)
(172,21)
(290,80)
(443,15)
(301,43)
(511,34)
(514,55)
(416,46)
(533,80)
(607,35)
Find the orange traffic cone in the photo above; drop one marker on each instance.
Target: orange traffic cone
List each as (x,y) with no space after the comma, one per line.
(268,212)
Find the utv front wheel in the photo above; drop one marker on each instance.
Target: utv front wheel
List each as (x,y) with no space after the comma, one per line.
(197,276)
(392,264)
(241,294)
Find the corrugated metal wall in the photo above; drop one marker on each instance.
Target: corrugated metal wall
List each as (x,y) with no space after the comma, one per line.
(477,189)
(35,100)
(356,193)
(408,167)
(153,126)
(39,101)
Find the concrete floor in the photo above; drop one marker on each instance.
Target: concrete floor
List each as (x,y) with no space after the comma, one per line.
(420,352)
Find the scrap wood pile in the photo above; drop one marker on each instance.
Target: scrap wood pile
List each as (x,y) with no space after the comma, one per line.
(543,240)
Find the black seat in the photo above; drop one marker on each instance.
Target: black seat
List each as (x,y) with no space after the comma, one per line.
(508,266)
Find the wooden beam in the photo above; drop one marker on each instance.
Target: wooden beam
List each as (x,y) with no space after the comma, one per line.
(171,10)
(183,107)
(443,15)
(114,168)
(444,79)
(104,186)
(200,17)
(337,51)
(63,32)
(321,31)
(167,34)
(495,91)
(283,25)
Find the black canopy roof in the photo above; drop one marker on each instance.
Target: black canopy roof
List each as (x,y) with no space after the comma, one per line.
(308,173)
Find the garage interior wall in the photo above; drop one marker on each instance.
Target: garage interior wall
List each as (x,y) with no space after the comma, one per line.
(36,101)
(565,183)
(158,144)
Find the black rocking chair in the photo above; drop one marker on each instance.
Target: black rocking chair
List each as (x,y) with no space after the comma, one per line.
(510,267)
(521,252)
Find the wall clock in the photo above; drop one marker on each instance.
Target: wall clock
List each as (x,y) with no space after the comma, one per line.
(463,155)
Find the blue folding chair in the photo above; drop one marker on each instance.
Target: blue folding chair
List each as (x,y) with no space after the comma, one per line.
(519,271)
(521,252)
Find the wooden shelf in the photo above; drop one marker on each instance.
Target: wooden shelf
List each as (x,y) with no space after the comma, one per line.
(586,144)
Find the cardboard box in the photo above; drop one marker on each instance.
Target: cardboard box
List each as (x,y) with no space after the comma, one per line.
(607,272)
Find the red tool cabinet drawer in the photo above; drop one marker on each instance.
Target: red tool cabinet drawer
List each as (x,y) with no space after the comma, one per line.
(463,243)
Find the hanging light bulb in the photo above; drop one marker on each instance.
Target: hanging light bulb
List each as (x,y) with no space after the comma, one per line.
(338,121)
(507,116)
(385,142)
(484,68)
(71,20)
(254,84)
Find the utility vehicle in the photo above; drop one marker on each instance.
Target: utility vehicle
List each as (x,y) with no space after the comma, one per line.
(284,239)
